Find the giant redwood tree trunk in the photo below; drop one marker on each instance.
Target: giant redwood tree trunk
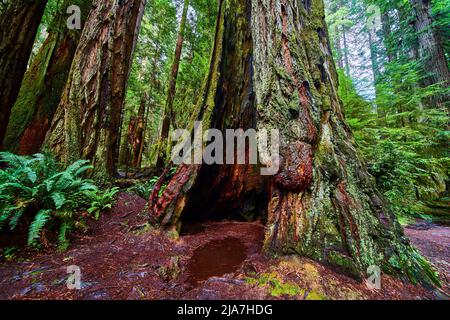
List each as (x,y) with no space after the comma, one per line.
(43,84)
(19,23)
(87,121)
(272,68)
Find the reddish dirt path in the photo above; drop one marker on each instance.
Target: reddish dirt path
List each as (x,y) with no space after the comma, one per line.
(433,242)
(121,257)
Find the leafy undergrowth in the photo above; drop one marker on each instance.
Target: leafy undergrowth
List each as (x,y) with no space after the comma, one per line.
(144,188)
(38,193)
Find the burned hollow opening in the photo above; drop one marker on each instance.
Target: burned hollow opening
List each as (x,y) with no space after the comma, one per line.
(227,193)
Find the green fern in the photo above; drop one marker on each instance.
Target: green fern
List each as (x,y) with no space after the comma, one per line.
(35,185)
(63,243)
(101,201)
(38,224)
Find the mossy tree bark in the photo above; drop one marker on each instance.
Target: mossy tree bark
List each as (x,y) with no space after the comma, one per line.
(43,84)
(272,68)
(19,22)
(90,112)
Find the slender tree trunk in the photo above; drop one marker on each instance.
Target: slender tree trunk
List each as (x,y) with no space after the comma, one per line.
(272,68)
(169,116)
(144,132)
(386,26)
(137,133)
(43,84)
(19,23)
(339,49)
(375,66)
(431,50)
(374,55)
(150,99)
(125,152)
(346,59)
(87,121)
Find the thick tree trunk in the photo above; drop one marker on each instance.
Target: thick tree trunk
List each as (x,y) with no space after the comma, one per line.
(272,68)
(19,23)
(431,50)
(169,117)
(43,84)
(87,119)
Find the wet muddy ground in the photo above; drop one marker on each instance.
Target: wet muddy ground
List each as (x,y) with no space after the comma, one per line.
(433,241)
(122,257)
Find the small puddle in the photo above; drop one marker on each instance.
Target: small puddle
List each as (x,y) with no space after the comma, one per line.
(215,258)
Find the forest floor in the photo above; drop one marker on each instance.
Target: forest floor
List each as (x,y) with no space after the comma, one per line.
(122,257)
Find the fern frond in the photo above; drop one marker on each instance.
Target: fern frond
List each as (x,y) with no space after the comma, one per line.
(16,217)
(74,167)
(12,159)
(59,200)
(40,220)
(62,237)
(17,186)
(82,170)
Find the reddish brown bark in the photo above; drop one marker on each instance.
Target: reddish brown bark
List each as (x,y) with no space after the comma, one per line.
(43,84)
(18,27)
(136,134)
(87,119)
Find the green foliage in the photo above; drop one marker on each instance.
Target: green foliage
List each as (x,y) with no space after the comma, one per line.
(101,201)
(33,190)
(401,143)
(279,288)
(415,266)
(9,253)
(144,189)
(276,286)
